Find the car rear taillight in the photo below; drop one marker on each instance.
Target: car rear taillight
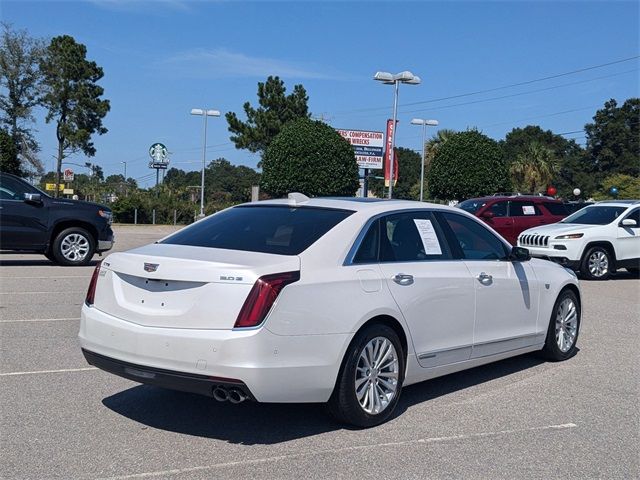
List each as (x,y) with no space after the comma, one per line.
(91,292)
(261,298)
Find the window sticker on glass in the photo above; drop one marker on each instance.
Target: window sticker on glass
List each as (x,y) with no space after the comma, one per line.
(428,236)
(528,210)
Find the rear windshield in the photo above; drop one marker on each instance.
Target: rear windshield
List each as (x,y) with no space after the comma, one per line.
(282,230)
(556,208)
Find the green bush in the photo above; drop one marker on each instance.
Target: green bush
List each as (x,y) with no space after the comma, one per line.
(309,157)
(628,188)
(469,164)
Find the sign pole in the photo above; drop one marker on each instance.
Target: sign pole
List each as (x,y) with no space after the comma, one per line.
(365,183)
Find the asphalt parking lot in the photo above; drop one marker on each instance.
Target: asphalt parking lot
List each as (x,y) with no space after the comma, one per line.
(519,418)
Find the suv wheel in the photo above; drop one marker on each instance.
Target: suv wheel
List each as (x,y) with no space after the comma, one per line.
(596,264)
(73,246)
(370,380)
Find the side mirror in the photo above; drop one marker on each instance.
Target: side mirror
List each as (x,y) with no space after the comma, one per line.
(488,214)
(628,222)
(519,254)
(32,198)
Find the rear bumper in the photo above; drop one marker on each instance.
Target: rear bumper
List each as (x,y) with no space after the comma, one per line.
(184,382)
(273,368)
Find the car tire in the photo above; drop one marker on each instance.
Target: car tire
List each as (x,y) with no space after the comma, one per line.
(564,328)
(73,247)
(597,264)
(50,257)
(365,394)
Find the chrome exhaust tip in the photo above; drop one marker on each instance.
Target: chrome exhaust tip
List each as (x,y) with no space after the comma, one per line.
(220,394)
(237,396)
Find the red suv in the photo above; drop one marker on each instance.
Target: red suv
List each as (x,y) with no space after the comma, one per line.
(511,215)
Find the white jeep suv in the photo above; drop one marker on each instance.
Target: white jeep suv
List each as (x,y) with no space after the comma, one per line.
(596,240)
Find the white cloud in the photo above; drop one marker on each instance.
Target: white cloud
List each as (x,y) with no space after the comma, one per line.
(224,63)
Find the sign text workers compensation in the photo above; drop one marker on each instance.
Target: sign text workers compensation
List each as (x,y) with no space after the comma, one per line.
(368,146)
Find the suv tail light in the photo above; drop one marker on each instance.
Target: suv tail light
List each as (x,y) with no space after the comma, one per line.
(261,298)
(91,292)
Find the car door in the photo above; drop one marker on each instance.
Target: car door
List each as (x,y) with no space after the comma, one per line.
(525,214)
(433,291)
(23,224)
(507,292)
(628,238)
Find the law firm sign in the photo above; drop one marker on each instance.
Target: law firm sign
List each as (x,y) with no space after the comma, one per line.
(368,146)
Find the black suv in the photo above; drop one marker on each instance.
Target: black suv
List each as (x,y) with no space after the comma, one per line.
(67,232)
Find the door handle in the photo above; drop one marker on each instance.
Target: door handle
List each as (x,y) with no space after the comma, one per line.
(485,278)
(403,279)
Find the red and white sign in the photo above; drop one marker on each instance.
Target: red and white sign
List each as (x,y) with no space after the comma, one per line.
(390,132)
(68,175)
(368,146)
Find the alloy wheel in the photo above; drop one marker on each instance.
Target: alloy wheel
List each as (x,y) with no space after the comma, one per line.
(74,247)
(598,264)
(376,382)
(566,325)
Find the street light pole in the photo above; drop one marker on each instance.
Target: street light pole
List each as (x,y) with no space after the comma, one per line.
(205,113)
(395,80)
(424,123)
(125,178)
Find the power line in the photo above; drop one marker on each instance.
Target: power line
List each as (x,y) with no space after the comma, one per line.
(503,87)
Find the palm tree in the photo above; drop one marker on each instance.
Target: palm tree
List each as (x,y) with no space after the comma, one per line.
(534,169)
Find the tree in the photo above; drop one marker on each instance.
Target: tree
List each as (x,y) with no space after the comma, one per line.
(408,177)
(613,139)
(469,164)
(275,110)
(628,187)
(20,92)
(431,147)
(72,97)
(9,161)
(534,169)
(310,157)
(572,171)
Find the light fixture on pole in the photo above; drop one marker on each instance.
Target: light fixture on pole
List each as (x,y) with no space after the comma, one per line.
(425,123)
(204,113)
(395,80)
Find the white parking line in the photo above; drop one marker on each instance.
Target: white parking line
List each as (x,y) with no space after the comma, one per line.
(37,372)
(44,278)
(179,471)
(42,293)
(41,320)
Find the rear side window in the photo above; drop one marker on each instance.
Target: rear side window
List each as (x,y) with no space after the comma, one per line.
(368,251)
(281,230)
(524,209)
(556,208)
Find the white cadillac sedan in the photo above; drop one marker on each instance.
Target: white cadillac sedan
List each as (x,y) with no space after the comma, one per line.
(342,301)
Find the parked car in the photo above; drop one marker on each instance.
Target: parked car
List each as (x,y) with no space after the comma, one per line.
(67,232)
(341,301)
(596,240)
(573,207)
(511,215)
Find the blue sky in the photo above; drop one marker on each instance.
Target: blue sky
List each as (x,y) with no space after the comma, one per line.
(163,58)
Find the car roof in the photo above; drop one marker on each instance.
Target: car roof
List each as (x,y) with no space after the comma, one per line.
(540,198)
(619,203)
(356,204)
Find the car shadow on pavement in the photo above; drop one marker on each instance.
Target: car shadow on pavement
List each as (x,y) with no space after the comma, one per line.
(252,423)
(34,262)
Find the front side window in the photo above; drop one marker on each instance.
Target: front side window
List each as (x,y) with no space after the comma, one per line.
(595,215)
(13,189)
(276,229)
(411,237)
(524,209)
(472,206)
(474,241)
(635,215)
